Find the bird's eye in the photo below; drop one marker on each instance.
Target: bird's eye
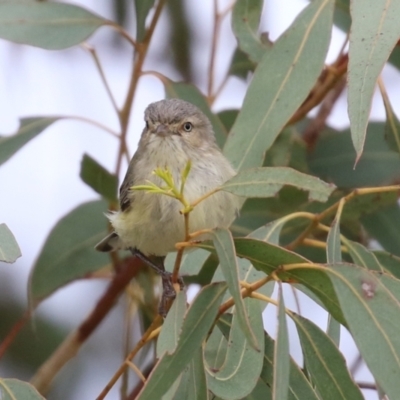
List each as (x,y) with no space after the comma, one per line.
(187,126)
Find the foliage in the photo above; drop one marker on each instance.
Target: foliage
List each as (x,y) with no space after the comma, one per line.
(309,223)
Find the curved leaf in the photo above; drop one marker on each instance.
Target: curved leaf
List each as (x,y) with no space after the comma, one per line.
(142,8)
(267,181)
(224,246)
(238,375)
(325,363)
(29,129)
(197,322)
(281,360)
(9,249)
(12,389)
(98,178)
(281,82)
(47,25)
(374,32)
(245,21)
(68,252)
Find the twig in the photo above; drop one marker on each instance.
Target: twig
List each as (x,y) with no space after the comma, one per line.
(92,122)
(366,385)
(96,60)
(72,344)
(12,334)
(213,49)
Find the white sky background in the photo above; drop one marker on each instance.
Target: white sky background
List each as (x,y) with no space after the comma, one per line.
(41,182)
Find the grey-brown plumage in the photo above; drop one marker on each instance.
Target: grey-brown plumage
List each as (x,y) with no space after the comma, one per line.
(175,132)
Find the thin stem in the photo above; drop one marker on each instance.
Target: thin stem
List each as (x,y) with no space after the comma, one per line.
(96,60)
(213,50)
(125,35)
(12,334)
(138,372)
(94,123)
(138,61)
(144,339)
(199,200)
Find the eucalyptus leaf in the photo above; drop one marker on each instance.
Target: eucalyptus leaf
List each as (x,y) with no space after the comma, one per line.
(68,253)
(197,322)
(28,130)
(142,8)
(281,360)
(13,389)
(281,82)
(266,182)
(9,249)
(99,179)
(325,364)
(374,33)
(238,375)
(246,16)
(225,249)
(49,25)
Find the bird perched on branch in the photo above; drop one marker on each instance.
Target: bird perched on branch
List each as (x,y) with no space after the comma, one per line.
(148,224)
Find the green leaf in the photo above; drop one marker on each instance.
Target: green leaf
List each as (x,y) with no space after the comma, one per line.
(374,33)
(325,363)
(195,327)
(142,8)
(223,242)
(51,26)
(238,375)
(389,261)
(371,305)
(241,65)
(68,253)
(341,16)
(190,93)
(193,384)
(281,82)
(29,129)
(333,159)
(98,178)
(384,226)
(299,386)
(228,117)
(245,21)
(13,389)
(392,126)
(281,360)
(191,264)
(362,256)
(168,338)
(9,249)
(267,181)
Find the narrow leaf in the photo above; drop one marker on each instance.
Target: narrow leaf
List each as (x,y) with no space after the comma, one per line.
(168,338)
(98,178)
(390,262)
(295,61)
(245,21)
(68,252)
(299,386)
(238,375)
(142,8)
(374,32)
(362,256)
(281,362)
(370,302)
(49,25)
(195,327)
(325,363)
(28,130)
(267,181)
(225,248)
(384,226)
(13,389)
(9,249)
(392,126)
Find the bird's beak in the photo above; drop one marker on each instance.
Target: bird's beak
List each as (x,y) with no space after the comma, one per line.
(162,130)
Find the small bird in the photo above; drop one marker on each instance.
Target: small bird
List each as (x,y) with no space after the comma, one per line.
(151,224)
